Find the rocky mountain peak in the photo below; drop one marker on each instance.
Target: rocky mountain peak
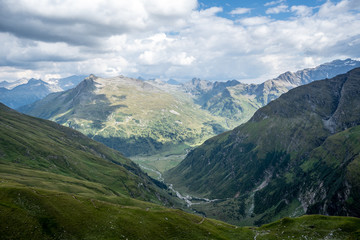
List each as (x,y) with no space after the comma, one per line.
(92,77)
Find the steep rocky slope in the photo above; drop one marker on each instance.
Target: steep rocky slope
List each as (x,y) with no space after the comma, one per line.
(299,154)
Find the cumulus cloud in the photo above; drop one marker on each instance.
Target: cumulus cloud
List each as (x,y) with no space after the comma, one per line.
(239,11)
(302,10)
(273,3)
(278,9)
(84,22)
(251,21)
(170,39)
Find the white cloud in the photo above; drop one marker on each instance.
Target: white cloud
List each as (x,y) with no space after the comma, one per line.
(182,59)
(254,21)
(302,10)
(278,9)
(169,39)
(274,3)
(239,11)
(84,22)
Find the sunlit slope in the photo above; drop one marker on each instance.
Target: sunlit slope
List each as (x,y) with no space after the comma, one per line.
(130,115)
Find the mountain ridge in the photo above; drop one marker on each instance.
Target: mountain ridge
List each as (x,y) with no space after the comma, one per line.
(263,161)
(245,99)
(123,112)
(166,120)
(26,91)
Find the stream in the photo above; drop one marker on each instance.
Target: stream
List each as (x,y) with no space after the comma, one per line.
(189,200)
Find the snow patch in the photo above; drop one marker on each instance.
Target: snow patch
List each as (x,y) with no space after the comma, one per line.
(174,112)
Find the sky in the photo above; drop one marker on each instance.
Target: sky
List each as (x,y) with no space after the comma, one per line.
(247,40)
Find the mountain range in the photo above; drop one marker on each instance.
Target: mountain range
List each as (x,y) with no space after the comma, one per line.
(60,158)
(297,155)
(23,92)
(159,122)
(129,115)
(237,102)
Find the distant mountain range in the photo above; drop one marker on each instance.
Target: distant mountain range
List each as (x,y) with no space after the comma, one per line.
(11,85)
(298,154)
(23,91)
(140,117)
(237,102)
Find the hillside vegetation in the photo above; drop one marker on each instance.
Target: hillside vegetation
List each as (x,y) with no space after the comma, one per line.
(55,183)
(299,154)
(51,156)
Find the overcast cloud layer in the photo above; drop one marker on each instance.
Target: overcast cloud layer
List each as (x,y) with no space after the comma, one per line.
(171,39)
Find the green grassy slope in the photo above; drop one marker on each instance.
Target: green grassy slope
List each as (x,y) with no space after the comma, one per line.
(30,213)
(270,167)
(29,144)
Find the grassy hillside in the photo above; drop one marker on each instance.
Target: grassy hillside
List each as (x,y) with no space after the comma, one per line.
(286,161)
(29,145)
(31,213)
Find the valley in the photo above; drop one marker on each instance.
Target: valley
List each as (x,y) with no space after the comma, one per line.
(55,183)
(157,123)
(180,120)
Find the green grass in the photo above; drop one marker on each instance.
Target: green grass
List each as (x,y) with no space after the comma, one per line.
(29,145)
(31,213)
(163,161)
(312,227)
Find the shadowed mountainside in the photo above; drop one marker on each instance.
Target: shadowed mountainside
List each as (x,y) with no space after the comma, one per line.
(299,154)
